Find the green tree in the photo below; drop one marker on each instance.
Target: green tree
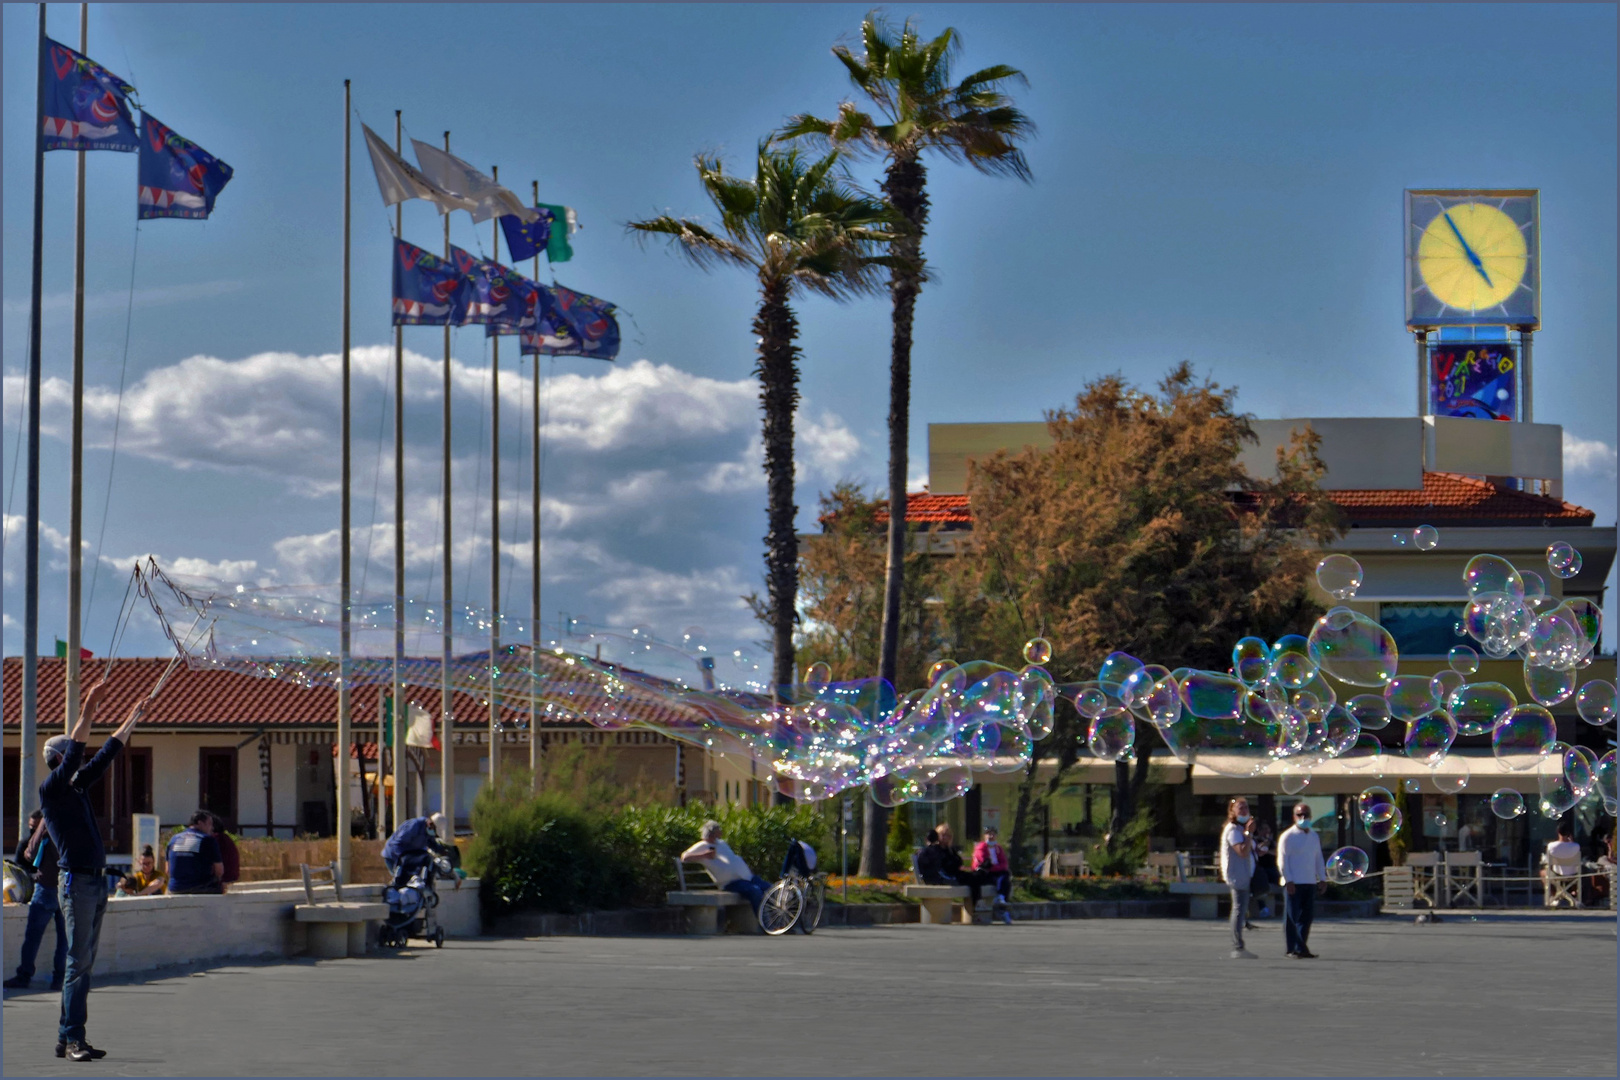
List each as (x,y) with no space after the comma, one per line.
(799,226)
(1137,531)
(915,109)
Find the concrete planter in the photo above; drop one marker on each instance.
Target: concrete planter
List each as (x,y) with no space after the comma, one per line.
(142,933)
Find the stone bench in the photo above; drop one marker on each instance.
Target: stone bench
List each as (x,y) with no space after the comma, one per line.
(1203,897)
(709,911)
(937,901)
(338,928)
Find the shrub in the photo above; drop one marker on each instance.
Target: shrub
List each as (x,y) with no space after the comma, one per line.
(1123,855)
(902,840)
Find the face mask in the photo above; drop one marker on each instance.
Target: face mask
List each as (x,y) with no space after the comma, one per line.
(1304,822)
(1243,819)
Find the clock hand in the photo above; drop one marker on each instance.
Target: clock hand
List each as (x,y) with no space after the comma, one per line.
(1466,249)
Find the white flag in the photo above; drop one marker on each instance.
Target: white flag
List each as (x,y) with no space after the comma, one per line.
(451,173)
(420,732)
(398,180)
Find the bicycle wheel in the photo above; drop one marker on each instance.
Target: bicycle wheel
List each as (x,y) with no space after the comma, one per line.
(781,907)
(815,900)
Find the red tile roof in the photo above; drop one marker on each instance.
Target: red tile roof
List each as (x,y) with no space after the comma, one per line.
(1445,498)
(209,699)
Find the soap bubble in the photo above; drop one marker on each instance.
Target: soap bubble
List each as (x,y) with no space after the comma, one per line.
(1587,618)
(1595,702)
(1293,780)
(1580,768)
(1291,663)
(1492,574)
(1437,819)
(1410,696)
(1339,576)
(1371,711)
(1425,537)
(1384,829)
(1376,804)
(1534,585)
(1429,737)
(1401,539)
(1518,738)
(1507,804)
(817,675)
(1548,685)
(939,670)
(1112,735)
(1366,755)
(1339,731)
(1463,660)
(1037,651)
(1116,668)
(1352,648)
(1558,792)
(1444,682)
(1604,779)
(1346,865)
(1450,775)
(1563,560)
(1212,696)
(1091,702)
(1479,707)
(1251,660)
(1556,640)
(696,639)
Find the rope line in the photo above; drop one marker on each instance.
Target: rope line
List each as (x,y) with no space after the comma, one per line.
(478,475)
(376,478)
(118,417)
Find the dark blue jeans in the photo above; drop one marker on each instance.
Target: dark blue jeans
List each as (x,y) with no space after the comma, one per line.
(1301,909)
(43,909)
(84,902)
(753,889)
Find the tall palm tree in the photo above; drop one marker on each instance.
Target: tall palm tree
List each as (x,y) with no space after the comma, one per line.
(918,109)
(800,227)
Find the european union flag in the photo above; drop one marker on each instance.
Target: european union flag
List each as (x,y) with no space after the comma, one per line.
(85,106)
(525,241)
(178,178)
(428,291)
(495,298)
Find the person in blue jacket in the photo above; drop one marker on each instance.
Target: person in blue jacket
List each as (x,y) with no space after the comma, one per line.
(414,844)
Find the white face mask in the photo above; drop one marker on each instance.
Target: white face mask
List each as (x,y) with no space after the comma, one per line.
(1243,819)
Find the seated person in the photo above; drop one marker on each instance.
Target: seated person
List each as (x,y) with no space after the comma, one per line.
(195,863)
(414,844)
(990,867)
(726,866)
(145,881)
(1563,855)
(931,861)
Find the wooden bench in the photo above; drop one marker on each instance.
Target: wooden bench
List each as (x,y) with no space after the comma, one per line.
(337,927)
(707,908)
(1400,892)
(1203,897)
(1064,864)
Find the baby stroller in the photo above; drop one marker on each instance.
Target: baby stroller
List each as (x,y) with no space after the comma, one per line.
(413,901)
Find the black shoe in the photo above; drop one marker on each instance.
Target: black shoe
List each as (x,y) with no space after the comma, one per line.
(1306,954)
(1250,926)
(83,1051)
(61,1049)
(16,982)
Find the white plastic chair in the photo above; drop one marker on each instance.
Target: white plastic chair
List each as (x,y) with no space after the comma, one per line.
(1561,880)
(1464,876)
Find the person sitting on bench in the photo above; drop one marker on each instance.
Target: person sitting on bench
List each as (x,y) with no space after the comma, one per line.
(726,866)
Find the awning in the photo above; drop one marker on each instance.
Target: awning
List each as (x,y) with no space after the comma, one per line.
(1486,773)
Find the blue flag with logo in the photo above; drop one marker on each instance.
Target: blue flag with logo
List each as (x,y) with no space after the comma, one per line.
(525,241)
(177,178)
(572,324)
(495,298)
(428,291)
(84,106)
(529,296)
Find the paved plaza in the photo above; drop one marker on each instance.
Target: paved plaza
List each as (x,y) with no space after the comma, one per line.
(1497,996)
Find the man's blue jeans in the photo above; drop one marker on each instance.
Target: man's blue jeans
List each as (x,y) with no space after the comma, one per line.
(43,909)
(84,902)
(753,889)
(1301,909)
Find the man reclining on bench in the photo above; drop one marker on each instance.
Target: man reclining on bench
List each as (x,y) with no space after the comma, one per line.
(726,866)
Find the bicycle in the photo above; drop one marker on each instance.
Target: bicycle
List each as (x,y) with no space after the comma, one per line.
(795,900)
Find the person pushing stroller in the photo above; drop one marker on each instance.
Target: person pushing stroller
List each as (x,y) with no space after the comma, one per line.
(414,844)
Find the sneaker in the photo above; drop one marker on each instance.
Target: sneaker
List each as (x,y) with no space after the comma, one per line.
(83,1051)
(16,982)
(1242,954)
(1294,956)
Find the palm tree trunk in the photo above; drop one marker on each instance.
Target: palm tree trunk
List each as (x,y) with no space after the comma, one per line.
(778,372)
(906,186)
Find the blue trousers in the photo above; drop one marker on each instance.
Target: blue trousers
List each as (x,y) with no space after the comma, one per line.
(1300,909)
(84,903)
(753,889)
(43,909)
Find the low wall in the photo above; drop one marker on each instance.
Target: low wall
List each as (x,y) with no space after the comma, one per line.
(141,933)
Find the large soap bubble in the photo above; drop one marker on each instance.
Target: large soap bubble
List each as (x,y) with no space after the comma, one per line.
(1595,703)
(1353,648)
(1429,737)
(1479,707)
(1291,664)
(1346,865)
(1519,736)
(1211,696)
(1492,574)
(1371,711)
(1548,685)
(1251,660)
(1339,576)
(1463,660)
(1563,560)
(1507,804)
(1410,696)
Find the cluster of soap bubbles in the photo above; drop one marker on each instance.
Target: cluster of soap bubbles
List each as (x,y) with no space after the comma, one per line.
(1424,538)
(1275,709)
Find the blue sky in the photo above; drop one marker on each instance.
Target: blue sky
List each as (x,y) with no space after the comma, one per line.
(1215,184)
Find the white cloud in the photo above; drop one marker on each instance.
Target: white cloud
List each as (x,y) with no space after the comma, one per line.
(1587,456)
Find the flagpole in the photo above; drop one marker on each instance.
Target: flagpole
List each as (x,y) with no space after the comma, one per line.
(534,618)
(447,751)
(495,518)
(343,544)
(70,714)
(396,806)
(28,750)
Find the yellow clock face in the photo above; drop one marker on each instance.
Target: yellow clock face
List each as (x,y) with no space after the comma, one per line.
(1472,256)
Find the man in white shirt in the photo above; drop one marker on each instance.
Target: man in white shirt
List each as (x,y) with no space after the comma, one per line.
(726,866)
(1563,855)
(1300,865)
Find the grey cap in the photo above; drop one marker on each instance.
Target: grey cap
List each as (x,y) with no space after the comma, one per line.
(58,745)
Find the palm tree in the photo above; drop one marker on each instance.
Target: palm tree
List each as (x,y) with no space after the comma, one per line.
(919,109)
(800,227)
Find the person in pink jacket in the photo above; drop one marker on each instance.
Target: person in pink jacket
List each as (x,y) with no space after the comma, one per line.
(990,867)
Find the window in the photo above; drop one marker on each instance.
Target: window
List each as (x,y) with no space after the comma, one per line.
(1423,629)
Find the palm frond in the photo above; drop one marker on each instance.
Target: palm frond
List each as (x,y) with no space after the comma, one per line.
(701,247)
